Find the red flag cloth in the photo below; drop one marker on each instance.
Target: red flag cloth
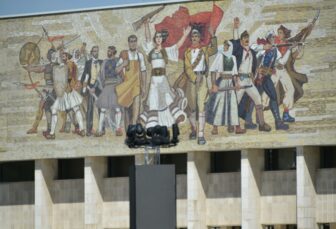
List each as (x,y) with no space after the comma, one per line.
(176,23)
(54,38)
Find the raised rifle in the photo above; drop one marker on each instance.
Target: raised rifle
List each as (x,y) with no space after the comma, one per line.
(45,32)
(137,24)
(65,44)
(289,44)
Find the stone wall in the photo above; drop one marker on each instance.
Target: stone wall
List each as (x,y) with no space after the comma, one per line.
(278,197)
(253,196)
(250,198)
(17,205)
(326,195)
(224,199)
(116,203)
(68,203)
(181,202)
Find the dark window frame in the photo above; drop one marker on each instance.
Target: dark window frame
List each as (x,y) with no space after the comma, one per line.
(122,172)
(327,157)
(168,159)
(217,156)
(17,171)
(271,160)
(62,169)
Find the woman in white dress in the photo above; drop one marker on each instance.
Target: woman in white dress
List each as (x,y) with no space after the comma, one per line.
(222,106)
(164,105)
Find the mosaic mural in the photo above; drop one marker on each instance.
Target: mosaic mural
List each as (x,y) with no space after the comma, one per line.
(218,69)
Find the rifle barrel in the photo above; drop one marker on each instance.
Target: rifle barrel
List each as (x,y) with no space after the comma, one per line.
(136,25)
(289,44)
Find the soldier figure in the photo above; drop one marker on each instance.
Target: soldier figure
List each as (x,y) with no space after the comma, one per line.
(68,99)
(49,94)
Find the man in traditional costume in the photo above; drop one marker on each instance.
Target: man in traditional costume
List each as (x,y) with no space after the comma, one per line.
(91,86)
(269,56)
(68,99)
(109,78)
(289,90)
(132,90)
(196,66)
(281,75)
(246,65)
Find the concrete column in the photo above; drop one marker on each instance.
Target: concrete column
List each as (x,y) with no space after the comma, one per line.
(95,171)
(45,173)
(252,164)
(198,166)
(139,159)
(307,162)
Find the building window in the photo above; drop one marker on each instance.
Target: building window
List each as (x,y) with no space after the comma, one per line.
(291,227)
(328,157)
(179,160)
(280,159)
(268,227)
(226,161)
(324,226)
(17,171)
(71,168)
(119,166)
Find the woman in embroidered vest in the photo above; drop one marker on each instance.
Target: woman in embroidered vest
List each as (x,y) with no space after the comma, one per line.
(163,106)
(222,106)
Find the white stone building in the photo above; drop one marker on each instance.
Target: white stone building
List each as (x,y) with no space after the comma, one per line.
(274,180)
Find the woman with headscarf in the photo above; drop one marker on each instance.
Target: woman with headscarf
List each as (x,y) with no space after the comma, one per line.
(222,106)
(163,106)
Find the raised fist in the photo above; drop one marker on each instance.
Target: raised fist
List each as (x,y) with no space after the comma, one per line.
(236,23)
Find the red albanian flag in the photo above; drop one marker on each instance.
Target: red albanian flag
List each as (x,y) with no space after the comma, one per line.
(176,23)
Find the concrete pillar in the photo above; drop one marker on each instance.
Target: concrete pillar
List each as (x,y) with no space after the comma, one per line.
(198,166)
(307,162)
(139,159)
(252,165)
(45,173)
(95,171)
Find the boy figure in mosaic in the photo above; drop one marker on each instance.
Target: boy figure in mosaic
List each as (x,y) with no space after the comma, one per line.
(196,64)
(109,78)
(68,99)
(132,90)
(222,106)
(90,84)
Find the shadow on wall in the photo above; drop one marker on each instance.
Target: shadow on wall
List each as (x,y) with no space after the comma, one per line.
(17,193)
(17,183)
(68,191)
